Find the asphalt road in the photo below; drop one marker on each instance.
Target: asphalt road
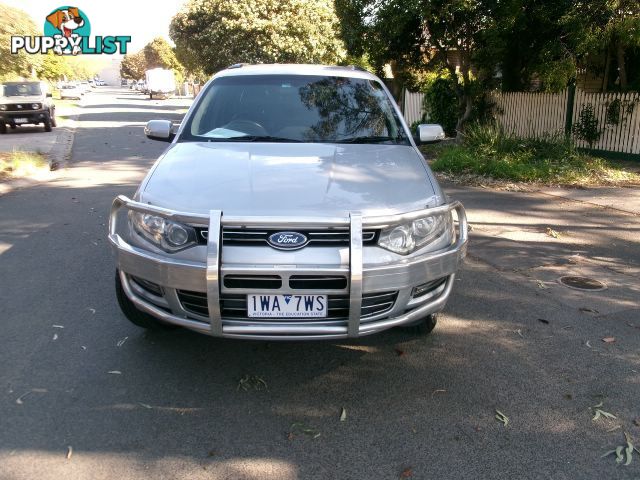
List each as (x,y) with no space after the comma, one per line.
(86,395)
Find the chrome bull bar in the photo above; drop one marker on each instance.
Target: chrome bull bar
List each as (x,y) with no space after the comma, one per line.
(216,220)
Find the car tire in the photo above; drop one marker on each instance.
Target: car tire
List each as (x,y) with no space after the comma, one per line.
(47,124)
(150,96)
(425,327)
(3,128)
(13,127)
(54,122)
(135,316)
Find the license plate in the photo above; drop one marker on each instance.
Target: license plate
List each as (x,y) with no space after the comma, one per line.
(286,306)
(20,120)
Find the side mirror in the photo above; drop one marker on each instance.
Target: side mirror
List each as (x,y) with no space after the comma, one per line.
(162,130)
(49,95)
(430,133)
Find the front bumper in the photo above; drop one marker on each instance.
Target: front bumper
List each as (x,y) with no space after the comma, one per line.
(32,117)
(366,279)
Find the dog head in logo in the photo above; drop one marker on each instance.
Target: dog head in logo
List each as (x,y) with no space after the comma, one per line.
(66,20)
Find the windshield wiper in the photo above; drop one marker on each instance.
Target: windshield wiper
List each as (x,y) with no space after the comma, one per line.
(367,139)
(261,138)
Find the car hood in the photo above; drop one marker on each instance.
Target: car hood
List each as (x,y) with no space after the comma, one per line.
(26,99)
(289,179)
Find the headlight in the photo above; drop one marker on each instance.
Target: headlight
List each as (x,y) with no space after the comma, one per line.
(410,236)
(35,106)
(3,107)
(169,236)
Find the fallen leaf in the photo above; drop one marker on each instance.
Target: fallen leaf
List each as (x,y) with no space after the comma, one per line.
(55,337)
(343,415)
(587,344)
(552,233)
(406,473)
(115,372)
(33,390)
(542,320)
(588,310)
(302,428)
(248,382)
(69,452)
(399,352)
(609,339)
(541,284)
(501,417)
(92,310)
(121,342)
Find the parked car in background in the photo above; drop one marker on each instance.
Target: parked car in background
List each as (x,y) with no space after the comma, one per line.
(24,103)
(71,91)
(291,204)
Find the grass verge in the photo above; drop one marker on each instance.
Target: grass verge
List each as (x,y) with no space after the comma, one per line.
(487,155)
(20,164)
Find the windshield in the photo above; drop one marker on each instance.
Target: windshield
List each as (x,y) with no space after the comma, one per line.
(21,89)
(294,108)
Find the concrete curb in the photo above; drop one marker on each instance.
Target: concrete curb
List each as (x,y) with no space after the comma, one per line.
(60,154)
(59,157)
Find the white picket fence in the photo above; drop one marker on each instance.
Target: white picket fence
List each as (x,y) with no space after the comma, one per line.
(412,106)
(530,114)
(533,114)
(621,135)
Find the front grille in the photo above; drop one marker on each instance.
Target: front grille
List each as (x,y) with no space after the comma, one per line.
(259,282)
(19,107)
(296,282)
(317,282)
(235,306)
(317,237)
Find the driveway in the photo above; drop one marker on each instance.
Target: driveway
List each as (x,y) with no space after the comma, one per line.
(85,394)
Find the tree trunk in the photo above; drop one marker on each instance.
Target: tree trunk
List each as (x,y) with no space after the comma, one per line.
(622,69)
(607,69)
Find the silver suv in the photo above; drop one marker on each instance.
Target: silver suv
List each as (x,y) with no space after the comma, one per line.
(292,203)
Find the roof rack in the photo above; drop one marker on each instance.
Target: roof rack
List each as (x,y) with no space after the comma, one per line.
(237,65)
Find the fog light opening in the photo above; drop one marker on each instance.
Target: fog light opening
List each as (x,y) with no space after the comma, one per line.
(422,290)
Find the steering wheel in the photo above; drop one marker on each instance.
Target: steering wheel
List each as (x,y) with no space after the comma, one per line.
(247,126)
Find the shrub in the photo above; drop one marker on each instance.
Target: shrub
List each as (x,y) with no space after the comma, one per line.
(487,150)
(440,102)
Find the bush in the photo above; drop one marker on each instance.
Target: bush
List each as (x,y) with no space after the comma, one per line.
(487,150)
(440,101)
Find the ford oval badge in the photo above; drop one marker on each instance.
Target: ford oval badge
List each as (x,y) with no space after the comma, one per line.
(287,240)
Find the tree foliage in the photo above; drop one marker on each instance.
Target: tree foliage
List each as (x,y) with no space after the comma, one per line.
(156,54)
(420,34)
(213,34)
(14,21)
(133,65)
